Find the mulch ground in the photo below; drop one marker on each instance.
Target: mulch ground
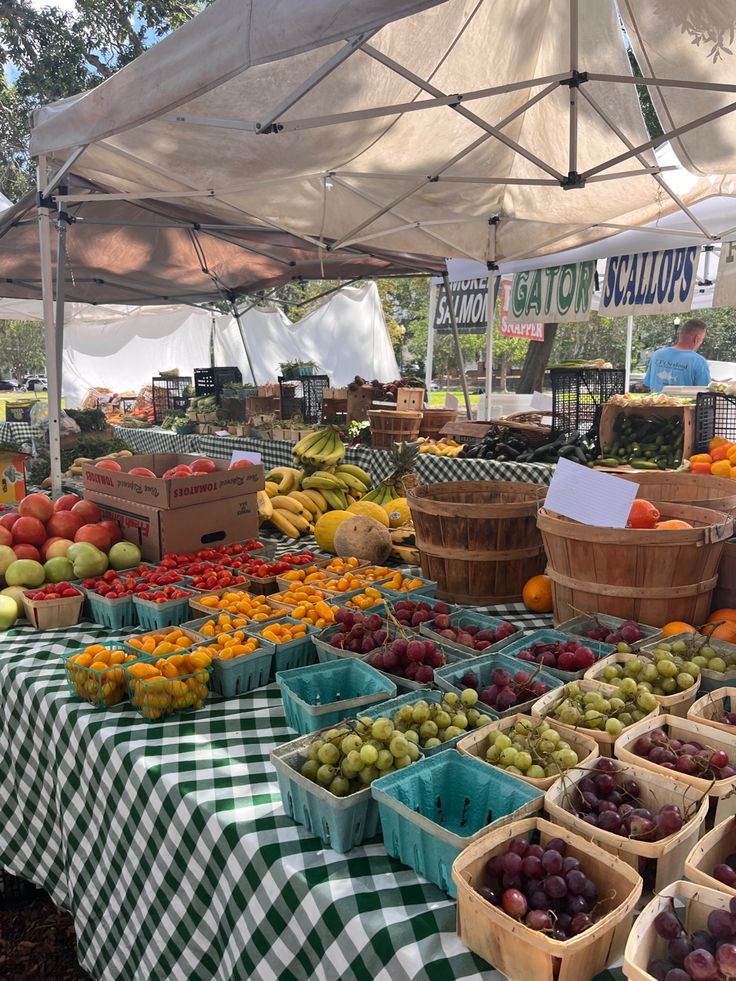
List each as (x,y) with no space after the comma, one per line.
(37,942)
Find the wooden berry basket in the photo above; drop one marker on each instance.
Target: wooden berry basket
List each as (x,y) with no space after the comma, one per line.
(670,853)
(676,704)
(605,740)
(684,729)
(49,614)
(529,955)
(707,709)
(476,744)
(711,850)
(644,945)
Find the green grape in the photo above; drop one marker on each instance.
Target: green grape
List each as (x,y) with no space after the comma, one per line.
(502,741)
(617,704)
(368,755)
(469,697)
(627,687)
(354,760)
(402,761)
(382,729)
(707,652)
(460,721)
(451,732)
(450,698)
(432,742)
(646,702)
(626,719)
(546,745)
(483,720)
(314,748)
(428,729)
(368,774)
(493,753)
(340,787)
(610,672)
(523,761)
(685,680)
(325,775)
(508,757)
(650,673)
(405,714)
(668,669)
(613,726)
(678,647)
(309,770)
(689,667)
(420,712)
(412,736)
(385,759)
(637,715)
(413,753)
(350,743)
(634,666)
(668,686)
(473,716)
(514,769)
(702,662)
(333,734)
(398,746)
(443,719)
(717,664)
(329,754)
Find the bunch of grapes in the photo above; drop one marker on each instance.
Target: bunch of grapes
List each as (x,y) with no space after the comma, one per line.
(689,757)
(570,655)
(607,799)
(697,650)
(413,659)
(593,709)
(542,887)
(411,613)
(437,722)
(661,672)
(474,636)
(351,756)
(628,633)
(505,691)
(531,748)
(705,955)
(358,632)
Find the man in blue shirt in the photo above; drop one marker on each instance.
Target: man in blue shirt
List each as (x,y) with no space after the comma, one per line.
(681,364)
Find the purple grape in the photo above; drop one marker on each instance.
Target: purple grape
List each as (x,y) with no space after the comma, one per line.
(569,864)
(720,924)
(677,974)
(538,899)
(590,892)
(555,886)
(552,862)
(678,949)
(494,866)
(563,922)
(575,880)
(512,863)
(532,867)
(490,895)
(604,784)
(659,969)
(580,922)
(702,940)
(732,906)
(515,881)
(556,845)
(539,919)
(575,905)
(519,846)
(514,903)
(606,765)
(700,965)
(726,960)
(632,788)
(667,925)
(536,850)
(586,786)
(609,821)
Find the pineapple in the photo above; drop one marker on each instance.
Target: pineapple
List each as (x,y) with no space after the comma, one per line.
(404,457)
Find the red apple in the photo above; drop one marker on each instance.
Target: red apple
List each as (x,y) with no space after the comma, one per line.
(203,466)
(36,506)
(96,535)
(240,463)
(113,529)
(9,519)
(142,472)
(66,502)
(24,551)
(88,511)
(65,524)
(52,548)
(28,531)
(108,465)
(6,537)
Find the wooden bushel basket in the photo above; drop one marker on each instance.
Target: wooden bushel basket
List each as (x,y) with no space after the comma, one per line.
(679,487)
(433,420)
(478,539)
(389,427)
(652,576)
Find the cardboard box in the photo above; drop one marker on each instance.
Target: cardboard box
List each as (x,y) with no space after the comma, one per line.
(156,531)
(359,401)
(610,413)
(12,477)
(171,494)
(410,399)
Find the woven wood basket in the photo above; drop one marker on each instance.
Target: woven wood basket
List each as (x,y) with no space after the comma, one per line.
(526,425)
(649,576)
(433,420)
(712,849)
(478,538)
(717,493)
(389,427)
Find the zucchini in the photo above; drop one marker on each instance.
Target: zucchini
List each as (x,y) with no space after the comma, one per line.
(638,464)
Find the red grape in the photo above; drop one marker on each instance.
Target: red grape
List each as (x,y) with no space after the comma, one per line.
(700,965)
(667,925)
(514,903)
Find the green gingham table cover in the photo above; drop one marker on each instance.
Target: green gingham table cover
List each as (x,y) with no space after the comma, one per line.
(429,468)
(168,844)
(19,432)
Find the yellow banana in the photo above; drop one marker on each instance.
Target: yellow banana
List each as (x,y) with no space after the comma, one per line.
(358,472)
(354,485)
(306,502)
(317,498)
(280,520)
(320,483)
(265,508)
(284,503)
(286,476)
(350,499)
(272,488)
(336,499)
(299,521)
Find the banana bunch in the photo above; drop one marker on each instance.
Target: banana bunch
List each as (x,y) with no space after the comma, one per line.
(292,502)
(383,494)
(440,447)
(292,514)
(323,449)
(346,485)
(283,480)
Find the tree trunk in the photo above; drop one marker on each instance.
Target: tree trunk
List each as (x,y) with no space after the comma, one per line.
(535,362)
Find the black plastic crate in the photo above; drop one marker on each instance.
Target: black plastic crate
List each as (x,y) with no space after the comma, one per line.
(715,415)
(579,394)
(303,397)
(211,381)
(169,395)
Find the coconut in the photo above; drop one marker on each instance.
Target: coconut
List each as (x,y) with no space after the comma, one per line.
(363,537)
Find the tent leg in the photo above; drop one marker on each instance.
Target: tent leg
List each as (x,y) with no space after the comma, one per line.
(629,337)
(429,360)
(47,294)
(458,352)
(241,328)
(492,297)
(60,269)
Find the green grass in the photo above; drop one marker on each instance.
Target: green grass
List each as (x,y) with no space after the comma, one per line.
(438,398)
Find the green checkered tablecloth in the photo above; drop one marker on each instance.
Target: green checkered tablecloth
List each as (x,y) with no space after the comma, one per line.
(430,468)
(168,844)
(19,432)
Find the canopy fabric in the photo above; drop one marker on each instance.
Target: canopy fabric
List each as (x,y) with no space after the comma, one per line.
(139,252)
(365,141)
(345,336)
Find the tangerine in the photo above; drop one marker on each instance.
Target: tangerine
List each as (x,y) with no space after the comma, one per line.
(724,614)
(677,627)
(673,524)
(643,514)
(721,631)
(537,594)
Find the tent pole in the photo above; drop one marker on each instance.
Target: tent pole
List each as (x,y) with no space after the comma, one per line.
(429,360)
(47,293)
(60,264)
(241,328)
(458,352)
(629,338)
(491,317)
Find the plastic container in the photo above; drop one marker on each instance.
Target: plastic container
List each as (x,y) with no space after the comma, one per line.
(113,613)
(296,653)
(244,673)
(193,637)
(154,616)
(693,901)
(432,810)
(428,588)
(156,700)
(712,850)
(322,694)
(326,652)
(669,853)
(49,614)
(709,680)
(586,621)
(710,708)
(676,704)
(449,678)
(529,955)
(100,688)
(476,744)
(518,644)
(340,822)
(465,618)
(685,730)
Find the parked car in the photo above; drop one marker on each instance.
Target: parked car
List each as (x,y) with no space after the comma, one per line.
(8,385)
(35,383)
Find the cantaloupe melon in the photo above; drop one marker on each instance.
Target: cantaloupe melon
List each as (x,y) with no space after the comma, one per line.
(325,528)
(398,512)
(364,538)
(371,510)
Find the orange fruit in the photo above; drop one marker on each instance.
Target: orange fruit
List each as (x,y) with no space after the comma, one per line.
(537,594)
(724,614)
(673,524)
(643,514)
(723,631)
(677,627)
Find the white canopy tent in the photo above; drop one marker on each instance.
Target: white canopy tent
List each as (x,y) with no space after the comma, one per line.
(487,130)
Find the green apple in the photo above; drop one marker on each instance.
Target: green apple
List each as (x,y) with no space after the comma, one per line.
(124,555)
(24,572)
(7,557)
(88,561)
(16,594)
(59,569)
(8,612)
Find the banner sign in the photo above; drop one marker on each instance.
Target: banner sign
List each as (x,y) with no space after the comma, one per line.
(470,303)
(554,294)
(532,332)
(725,294)
(650,282)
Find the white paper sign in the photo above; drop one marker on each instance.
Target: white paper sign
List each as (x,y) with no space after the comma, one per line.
(222,432)
(589,496)
(450,402)
(541,403)
(245,455)
(551,295)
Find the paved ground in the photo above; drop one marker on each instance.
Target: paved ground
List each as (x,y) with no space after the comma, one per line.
(37,943)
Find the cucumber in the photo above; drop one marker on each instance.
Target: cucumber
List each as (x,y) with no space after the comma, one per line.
(612,461)
(638,464)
